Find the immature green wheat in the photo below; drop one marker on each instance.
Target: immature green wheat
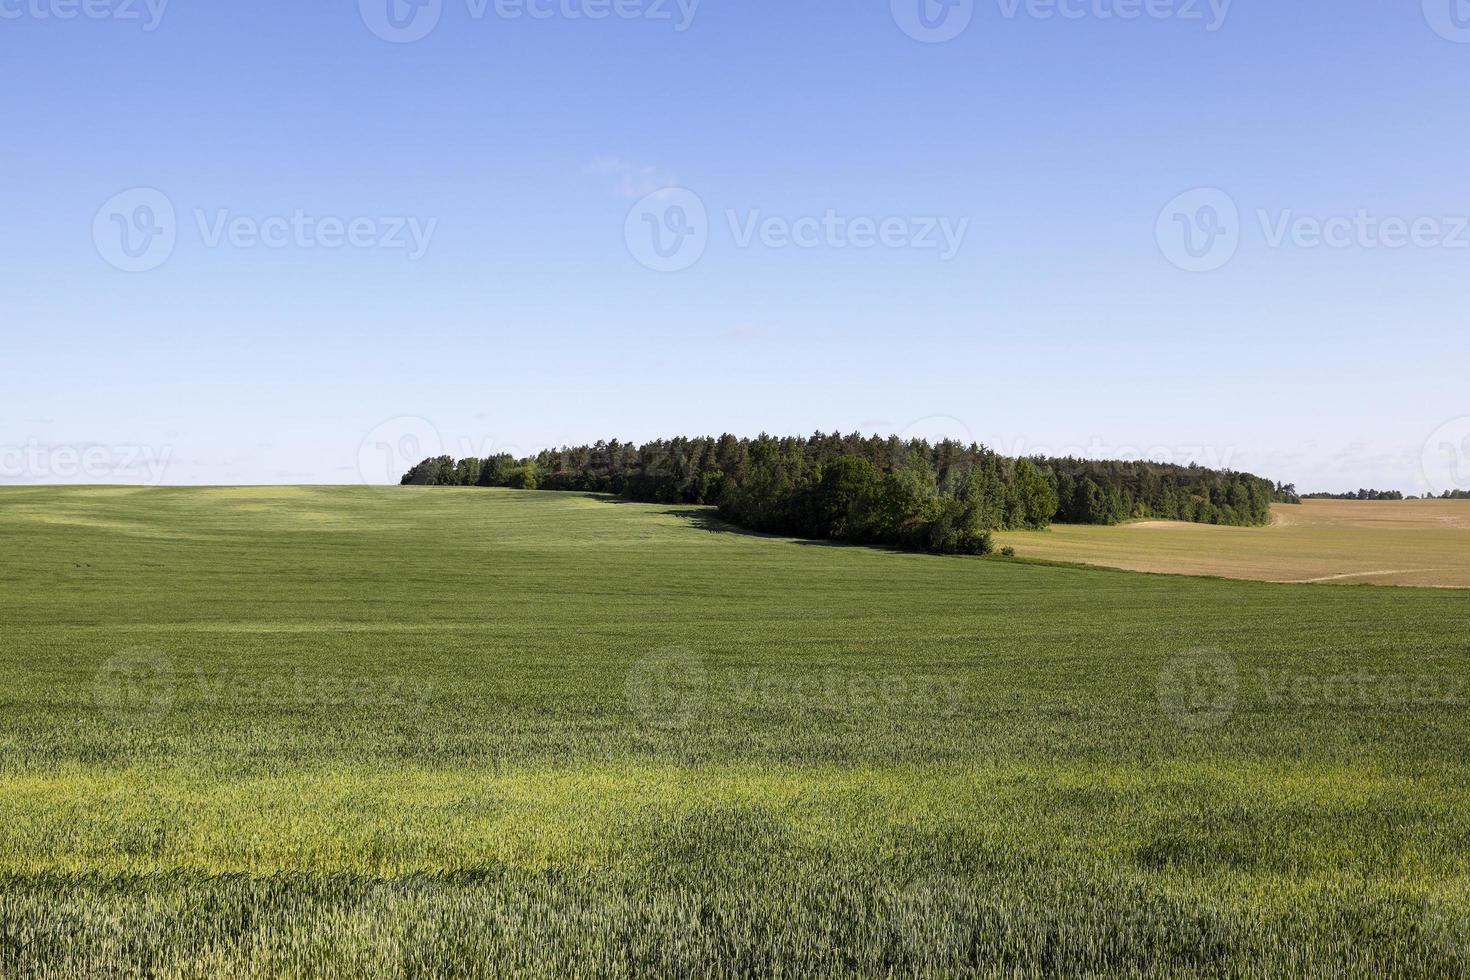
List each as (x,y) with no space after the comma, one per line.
(357,732)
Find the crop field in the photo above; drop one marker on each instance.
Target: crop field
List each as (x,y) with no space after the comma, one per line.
(1348,542)
(346,732)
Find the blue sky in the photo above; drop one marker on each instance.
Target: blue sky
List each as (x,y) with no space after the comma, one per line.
(498,171)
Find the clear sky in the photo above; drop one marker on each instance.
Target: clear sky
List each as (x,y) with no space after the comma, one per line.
(260,242)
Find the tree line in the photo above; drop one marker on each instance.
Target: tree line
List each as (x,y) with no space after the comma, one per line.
(943,497)
(1370,495)
(1357,495)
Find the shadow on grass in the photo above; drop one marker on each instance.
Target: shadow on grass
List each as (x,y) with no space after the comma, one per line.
(609,498)
(708,519)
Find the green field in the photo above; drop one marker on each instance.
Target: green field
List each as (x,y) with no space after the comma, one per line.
(387,732)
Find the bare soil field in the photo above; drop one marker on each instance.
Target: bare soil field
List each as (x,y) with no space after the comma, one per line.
(1396,542)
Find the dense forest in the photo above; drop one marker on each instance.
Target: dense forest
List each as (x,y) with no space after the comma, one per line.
(944,497)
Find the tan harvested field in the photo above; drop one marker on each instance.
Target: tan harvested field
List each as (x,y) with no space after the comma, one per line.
(1349,542)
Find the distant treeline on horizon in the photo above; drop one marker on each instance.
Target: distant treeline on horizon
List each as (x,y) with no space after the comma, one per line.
(1356,495)
(945,497)
(1386,495)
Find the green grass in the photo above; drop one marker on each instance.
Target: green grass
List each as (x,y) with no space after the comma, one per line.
(346,732)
